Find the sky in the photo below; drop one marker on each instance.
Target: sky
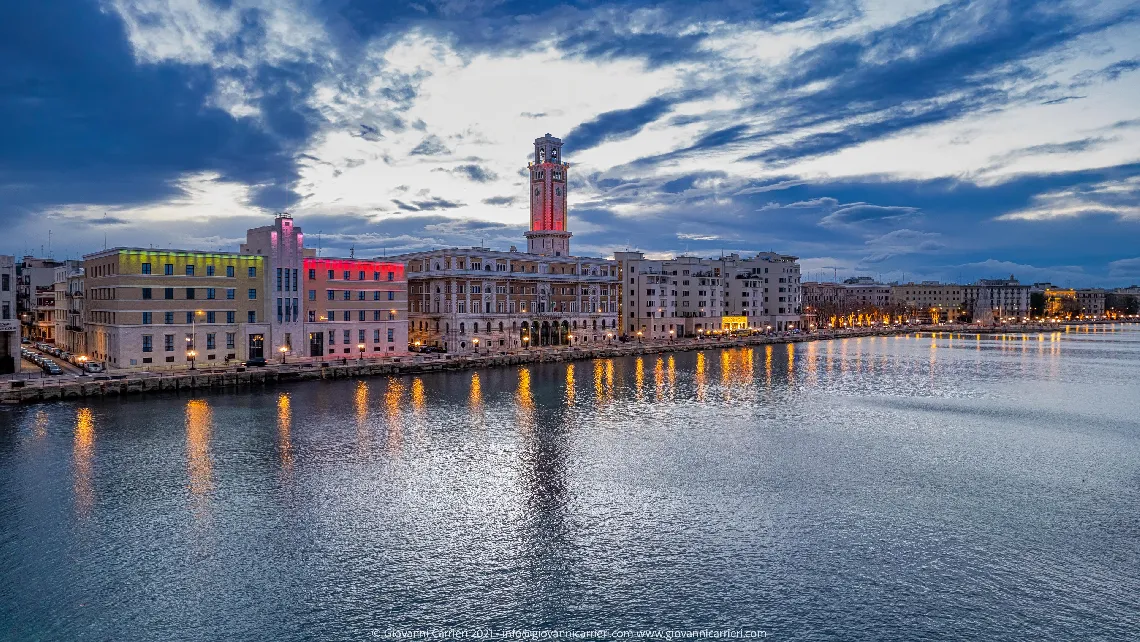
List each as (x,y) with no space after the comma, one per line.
(900,140)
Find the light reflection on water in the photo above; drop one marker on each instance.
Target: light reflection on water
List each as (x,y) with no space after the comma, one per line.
(931,487)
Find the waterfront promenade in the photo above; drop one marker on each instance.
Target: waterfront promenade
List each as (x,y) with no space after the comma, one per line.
(18,391)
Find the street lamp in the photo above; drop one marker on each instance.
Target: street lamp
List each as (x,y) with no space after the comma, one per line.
(475,341)
(360,347)
(570,340)
(671,333)
(639,336)
(283,350)
(700,333)
(190,354)
(609,337)
(526,341)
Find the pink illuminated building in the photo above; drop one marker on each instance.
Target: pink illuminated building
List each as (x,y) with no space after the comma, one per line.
(355,308)
(548,177)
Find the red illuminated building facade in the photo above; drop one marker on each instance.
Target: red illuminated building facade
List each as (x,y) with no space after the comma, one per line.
(548,178)
(354,308)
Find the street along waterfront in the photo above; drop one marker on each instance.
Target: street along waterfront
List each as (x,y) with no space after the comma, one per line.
(902,487)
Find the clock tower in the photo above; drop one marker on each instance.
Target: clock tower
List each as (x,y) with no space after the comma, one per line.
(548,174)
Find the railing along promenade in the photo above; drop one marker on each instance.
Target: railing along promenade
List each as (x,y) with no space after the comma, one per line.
(19,391)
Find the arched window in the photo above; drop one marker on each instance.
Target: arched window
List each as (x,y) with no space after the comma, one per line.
(461,328)
(500,326)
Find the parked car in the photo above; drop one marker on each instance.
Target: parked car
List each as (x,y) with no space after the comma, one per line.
(93,366)
(52,369)
(255,362)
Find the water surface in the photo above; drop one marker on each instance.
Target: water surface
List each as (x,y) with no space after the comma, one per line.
(901,488)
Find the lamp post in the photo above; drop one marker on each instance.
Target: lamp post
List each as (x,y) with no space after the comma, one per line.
(526,341)
(283,350)
(700,333)
(360,348)
(475,342)
(639,336)
(570,340)
(671,333)
(609,337)
(190,354)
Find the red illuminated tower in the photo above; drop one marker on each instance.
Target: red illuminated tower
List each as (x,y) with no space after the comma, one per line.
(548,235)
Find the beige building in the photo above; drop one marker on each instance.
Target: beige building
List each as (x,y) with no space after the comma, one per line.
(690,296)
(991,300)
(930,300)
(170,308)
(462,298)
(1091,302)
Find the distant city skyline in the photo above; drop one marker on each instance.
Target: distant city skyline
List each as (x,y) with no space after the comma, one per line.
(903,141)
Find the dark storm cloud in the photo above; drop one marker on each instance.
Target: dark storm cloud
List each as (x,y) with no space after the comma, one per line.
(617,124)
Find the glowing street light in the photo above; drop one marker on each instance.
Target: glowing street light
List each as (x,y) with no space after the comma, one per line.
(526,341)
(476,342)
(639,336)
(671,333)
(360,347)
(190,354)
(283,350)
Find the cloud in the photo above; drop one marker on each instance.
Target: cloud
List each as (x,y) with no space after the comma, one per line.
(431,145)
(1125,268)
(902,242)
(500,200)
(434,203)
(865,213)
(1113,198)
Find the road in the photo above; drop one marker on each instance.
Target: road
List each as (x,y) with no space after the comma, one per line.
(64,365)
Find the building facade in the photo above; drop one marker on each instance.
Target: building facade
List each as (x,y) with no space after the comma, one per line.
(467,299)
(930,301)
(70,322)
(691,296)
(355,307)
(1090,301)
(992,300)
(149,308)
(9,322)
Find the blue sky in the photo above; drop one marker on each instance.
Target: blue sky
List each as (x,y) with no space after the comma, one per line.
(903,140)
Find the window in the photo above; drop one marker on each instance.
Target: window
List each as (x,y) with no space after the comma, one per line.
(211,343)
(146,268)
(211,317)
(230,336)
(332,337)
(376,336)
(360,276)
(360,295)
(347,295)
(189,270)
(278,279)
(168,293)
(375,315)
(189,293)
(331,295)
(252,272)
(312,295)
(331,316)
(312,275)
(391,335)
(347,275)
(251,317)
(361,315)
(230,316)
(376,295)
(168,318)
(347,336)
(209,270)
(332,275)
(231,293)
(360,336)
(148,343)
(189,317)
(375,276)
(312,316)
(209,293)
(168,342)
(146,294)
(168,269)
(347,316)
(252,293)
(146,318)
(230,271)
